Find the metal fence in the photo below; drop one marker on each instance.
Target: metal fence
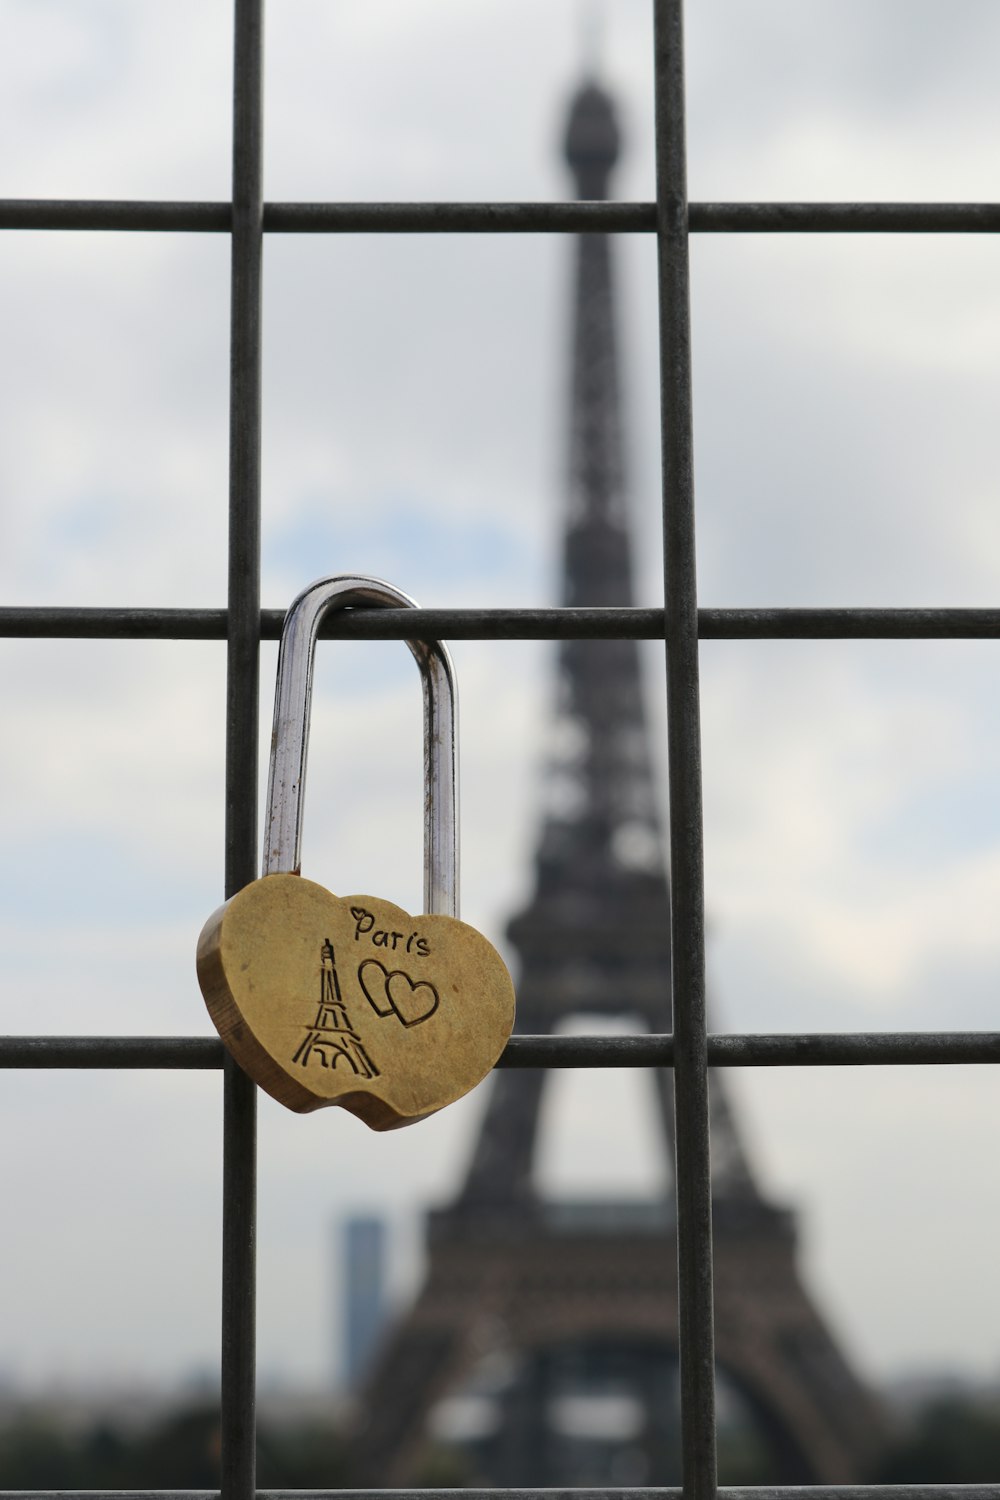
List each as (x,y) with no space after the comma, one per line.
(689,1051)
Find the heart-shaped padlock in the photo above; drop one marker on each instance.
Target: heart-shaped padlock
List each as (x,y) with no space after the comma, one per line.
(349,1000)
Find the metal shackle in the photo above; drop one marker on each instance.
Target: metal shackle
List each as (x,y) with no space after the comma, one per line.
(290,737)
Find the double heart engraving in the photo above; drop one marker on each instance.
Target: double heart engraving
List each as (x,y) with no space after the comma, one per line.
(392,991)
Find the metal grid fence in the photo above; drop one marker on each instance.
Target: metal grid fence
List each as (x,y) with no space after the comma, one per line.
(690,1051)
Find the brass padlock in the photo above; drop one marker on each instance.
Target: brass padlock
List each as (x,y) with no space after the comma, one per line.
(350,1000)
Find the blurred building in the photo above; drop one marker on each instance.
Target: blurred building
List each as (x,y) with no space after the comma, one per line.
(363,1244)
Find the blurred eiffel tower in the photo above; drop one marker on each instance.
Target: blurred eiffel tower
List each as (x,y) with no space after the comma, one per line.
(527,1303)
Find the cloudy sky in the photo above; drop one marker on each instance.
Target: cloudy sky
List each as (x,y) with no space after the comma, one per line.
(414,404)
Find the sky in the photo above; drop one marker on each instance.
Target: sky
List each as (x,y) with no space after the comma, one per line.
(414,403)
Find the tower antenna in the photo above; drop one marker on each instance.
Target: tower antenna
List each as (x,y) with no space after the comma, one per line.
(592,18)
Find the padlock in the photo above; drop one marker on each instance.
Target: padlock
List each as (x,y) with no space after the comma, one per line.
(350,1000)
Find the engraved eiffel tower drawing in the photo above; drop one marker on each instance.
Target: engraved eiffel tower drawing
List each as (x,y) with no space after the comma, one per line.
(554,1294)
(331,1038)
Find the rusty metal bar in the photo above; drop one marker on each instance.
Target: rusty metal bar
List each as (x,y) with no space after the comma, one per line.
(728,1050)
(239,1209)
(695,1312)
(547,624)
(143,216)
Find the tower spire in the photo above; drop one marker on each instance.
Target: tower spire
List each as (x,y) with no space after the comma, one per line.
(600,780)
(592,141)
(592,17)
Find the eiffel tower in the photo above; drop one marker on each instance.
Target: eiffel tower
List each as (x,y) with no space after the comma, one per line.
(531,1300)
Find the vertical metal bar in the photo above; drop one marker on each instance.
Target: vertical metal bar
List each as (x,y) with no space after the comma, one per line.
(693,1180)
(242,689)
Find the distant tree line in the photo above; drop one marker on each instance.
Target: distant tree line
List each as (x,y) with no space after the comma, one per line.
(949,1440)
(954,1440)
(181,1451)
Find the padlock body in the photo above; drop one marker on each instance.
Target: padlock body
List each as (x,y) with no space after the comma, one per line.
(352,1001)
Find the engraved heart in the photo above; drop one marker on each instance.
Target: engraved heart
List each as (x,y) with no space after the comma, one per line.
(413,1000)
(374,980)
(352,1001)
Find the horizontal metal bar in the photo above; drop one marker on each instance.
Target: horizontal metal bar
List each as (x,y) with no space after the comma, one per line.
(844,218)
(671,1492)
(649,1051)
(852,1049)
(847,624)
(191,1052)
(118,214)
(64,623)
(503,218)
(763,1050)
(631,218)
(347,624)
(512,624)
(732,1050)
(332,218)
(726,1492)
(459,218)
